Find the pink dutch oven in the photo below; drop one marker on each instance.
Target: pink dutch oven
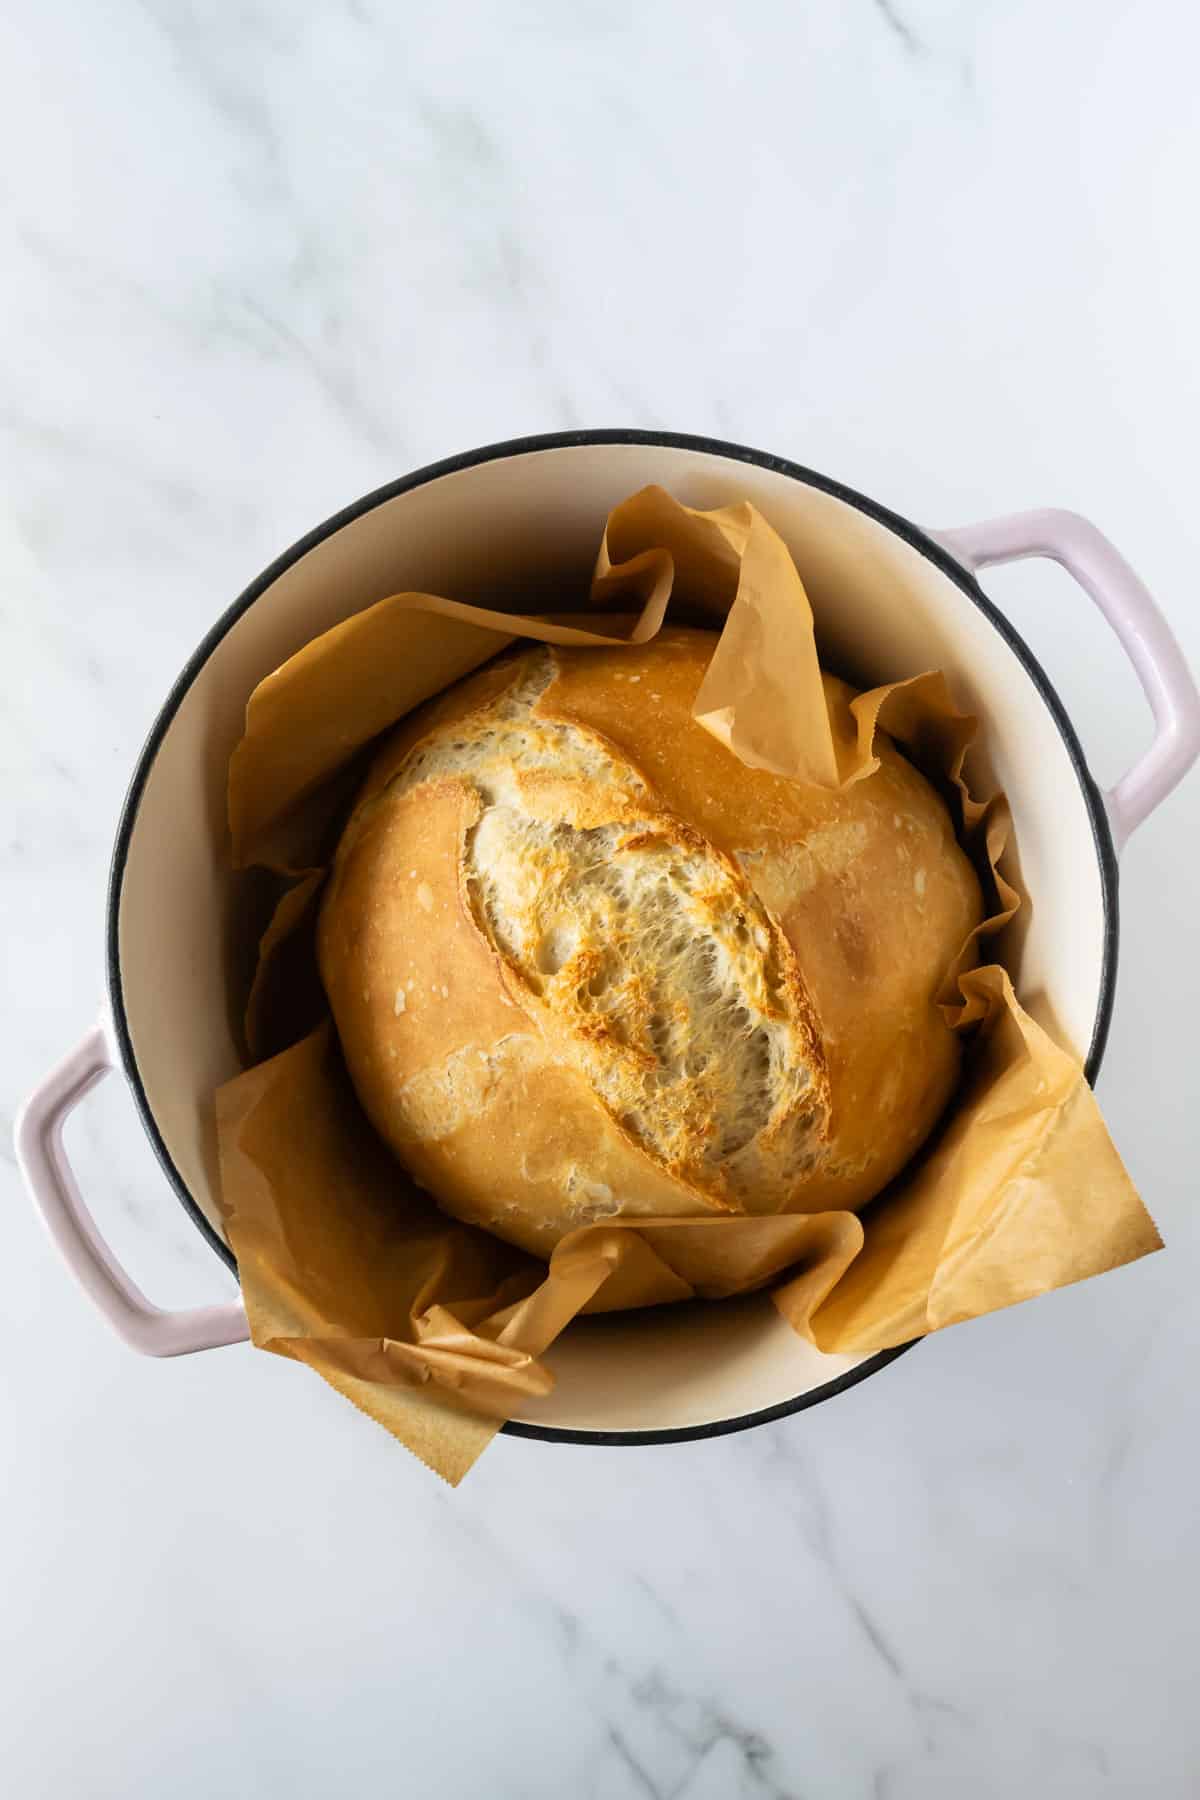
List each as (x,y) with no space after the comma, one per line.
(524,516)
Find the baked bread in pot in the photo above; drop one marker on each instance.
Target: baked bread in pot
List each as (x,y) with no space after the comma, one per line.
(584,963)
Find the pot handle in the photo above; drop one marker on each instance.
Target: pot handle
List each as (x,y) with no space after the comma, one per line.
(55,1193)
(1103,573)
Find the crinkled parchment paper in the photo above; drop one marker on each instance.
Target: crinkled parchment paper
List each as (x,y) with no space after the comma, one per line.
(435,1328)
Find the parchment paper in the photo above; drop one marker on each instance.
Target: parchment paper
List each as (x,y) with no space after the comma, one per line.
(435,1328)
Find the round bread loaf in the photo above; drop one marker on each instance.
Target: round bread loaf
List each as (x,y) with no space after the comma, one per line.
(584,963)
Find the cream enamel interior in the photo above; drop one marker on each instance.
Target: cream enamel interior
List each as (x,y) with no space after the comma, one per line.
(522,528)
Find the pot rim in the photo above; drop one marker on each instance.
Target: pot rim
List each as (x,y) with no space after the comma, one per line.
(536,443)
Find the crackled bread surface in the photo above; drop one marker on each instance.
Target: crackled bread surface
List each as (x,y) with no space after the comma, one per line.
(584,963)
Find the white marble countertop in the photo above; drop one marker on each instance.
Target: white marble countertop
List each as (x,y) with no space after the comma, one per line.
(258,260)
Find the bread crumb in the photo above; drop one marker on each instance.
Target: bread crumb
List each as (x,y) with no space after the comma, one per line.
(919,882)
(425,896)
(445,993)
(400,1002)
(656,696)
(634,678)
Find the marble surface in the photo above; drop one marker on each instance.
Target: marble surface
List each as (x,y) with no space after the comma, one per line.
(258,259)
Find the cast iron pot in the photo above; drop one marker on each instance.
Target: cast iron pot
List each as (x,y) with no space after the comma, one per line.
(890,600)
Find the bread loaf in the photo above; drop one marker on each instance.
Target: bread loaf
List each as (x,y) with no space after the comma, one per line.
(586,964)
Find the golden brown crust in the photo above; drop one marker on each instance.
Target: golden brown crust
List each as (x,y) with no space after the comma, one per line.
(868,883)
(584,962)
